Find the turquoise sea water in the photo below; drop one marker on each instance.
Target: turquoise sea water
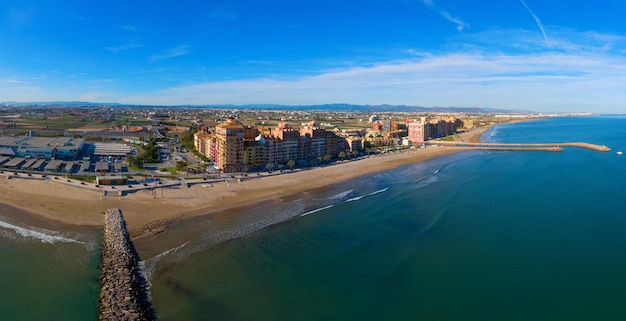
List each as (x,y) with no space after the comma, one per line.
(471,236)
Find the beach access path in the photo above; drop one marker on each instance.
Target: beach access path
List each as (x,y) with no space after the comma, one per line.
(150,211)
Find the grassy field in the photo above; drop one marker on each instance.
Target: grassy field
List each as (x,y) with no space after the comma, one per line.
(64,123)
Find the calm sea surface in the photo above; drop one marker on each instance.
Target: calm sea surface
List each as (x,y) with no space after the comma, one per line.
(470,236)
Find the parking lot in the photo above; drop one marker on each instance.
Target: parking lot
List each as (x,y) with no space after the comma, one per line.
(62,166)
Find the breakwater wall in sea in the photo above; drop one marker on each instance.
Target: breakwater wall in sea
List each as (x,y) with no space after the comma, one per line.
(123,293)
(517,146)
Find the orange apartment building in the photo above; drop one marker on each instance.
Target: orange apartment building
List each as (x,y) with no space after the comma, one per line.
(234,147)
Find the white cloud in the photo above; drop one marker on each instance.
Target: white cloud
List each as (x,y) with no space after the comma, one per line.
(124,47)
(460,24)
(180,50)
(583,71)
(548,81)
(129,27)
(538,21)
(11,81)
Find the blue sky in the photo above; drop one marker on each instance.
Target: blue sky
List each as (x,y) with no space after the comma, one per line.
(517,54)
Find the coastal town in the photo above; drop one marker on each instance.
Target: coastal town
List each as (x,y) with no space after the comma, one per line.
(161,165)
(94,142)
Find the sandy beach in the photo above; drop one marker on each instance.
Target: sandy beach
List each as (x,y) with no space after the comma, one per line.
(147,212)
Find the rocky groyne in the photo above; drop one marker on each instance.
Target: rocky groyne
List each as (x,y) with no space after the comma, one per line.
(123,293)
(518,146)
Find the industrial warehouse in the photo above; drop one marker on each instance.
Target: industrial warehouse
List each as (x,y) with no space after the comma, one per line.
(61,154)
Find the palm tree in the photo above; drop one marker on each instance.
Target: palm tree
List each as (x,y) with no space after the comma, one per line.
(342,155)
(269,167)
(291,163)
(326,158)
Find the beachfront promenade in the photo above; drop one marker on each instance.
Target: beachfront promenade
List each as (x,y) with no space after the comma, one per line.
(520,147)
(123,293)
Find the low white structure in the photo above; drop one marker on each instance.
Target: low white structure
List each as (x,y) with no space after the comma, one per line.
(45,147)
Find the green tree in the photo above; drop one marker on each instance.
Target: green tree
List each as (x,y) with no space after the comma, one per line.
(181,165)
(291,163)
(150,153)
(134,161)
(186,138)
(269,166)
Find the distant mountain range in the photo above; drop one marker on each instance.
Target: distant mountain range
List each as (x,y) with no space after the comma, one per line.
(324,107)
(373,108)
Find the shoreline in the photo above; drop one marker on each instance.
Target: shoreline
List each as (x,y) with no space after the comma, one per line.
(52,205)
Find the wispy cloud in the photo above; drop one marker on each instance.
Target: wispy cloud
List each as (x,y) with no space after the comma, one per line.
(538,21)
(124,47)
(129,27)
(11,81)
(180,50)
(150,71)
(460,24)
(586,72)
(550,81)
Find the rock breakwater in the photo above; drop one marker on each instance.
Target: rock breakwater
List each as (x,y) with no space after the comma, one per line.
(123,293)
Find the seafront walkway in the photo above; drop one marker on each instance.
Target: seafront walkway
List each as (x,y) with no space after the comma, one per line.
(555,147)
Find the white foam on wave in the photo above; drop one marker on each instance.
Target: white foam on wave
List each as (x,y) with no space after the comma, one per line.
(370,194)
(379,191)
(341,195)
(210,240)
(147,267)
(157,257)
(43,235)
(354,198)
(317,210)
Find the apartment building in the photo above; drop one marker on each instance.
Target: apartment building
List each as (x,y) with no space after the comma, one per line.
(416,130)
(234,147)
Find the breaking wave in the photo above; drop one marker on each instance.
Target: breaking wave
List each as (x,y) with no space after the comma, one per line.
(45,236)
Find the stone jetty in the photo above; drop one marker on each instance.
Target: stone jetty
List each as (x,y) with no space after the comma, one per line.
(123,293)
(517,146)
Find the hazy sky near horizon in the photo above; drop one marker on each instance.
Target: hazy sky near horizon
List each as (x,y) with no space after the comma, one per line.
(517,54)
